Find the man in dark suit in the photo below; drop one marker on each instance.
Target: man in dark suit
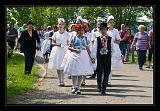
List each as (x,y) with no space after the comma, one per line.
(28,40)
(102,51)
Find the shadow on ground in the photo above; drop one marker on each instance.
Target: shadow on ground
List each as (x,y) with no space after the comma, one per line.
(44,97)
(118,85)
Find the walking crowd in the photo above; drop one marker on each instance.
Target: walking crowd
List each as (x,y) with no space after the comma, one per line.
(79,52)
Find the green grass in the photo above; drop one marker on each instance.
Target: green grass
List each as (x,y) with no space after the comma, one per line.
(17,81)
(136,58)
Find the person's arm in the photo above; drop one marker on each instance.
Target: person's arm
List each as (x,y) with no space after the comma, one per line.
(117,38)
(125,37)
(112,46)
(38,40)
(93,37)
(149,39)
(21,38)
(88,48)
(71,48)
(94,51)
(134,40)
(54,41)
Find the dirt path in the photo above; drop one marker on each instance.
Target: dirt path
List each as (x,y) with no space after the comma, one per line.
(129,86)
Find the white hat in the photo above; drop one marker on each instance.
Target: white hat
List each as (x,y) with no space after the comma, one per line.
(85,21)
(99,19)
(61,20)
(49,27)
(109,18)
(79,18)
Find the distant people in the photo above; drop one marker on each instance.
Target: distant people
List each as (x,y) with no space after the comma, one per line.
(20,30)
(46,44)
(71,31)
(141,41)
(151,49)
(55,29)
(41,35)
(28,41)
(79,20)
(129,51)
(60,41)
(123,42)
(12,34)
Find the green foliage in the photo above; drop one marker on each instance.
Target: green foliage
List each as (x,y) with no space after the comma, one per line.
(44,16)
(17,82)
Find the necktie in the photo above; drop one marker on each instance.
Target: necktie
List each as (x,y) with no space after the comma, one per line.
(104,41)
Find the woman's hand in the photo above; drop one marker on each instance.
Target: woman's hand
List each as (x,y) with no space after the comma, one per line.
(132,46)
(77,51)
(55,44)
(117,41)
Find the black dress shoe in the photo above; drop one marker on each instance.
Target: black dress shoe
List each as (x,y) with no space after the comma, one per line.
(69,77)
(83,84)
(103,92)
(26,72)
(92,77)
(140,68)
(78,92)
(99,90)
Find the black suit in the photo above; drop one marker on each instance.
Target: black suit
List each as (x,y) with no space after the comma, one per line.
(103,64)
(28,47)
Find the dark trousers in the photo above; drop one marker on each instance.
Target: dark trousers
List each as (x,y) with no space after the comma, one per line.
(123,48)
(29,59)
(103,65)
(11,45)
(150,53)
(141,57)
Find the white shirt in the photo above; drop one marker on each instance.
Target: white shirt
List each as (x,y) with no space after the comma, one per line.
(114,34)
(88,35)
(95,35)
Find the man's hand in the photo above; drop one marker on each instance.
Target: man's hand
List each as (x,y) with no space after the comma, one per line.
(93,60)
(39,49)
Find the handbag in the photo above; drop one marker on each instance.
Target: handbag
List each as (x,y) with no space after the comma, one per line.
(39,57)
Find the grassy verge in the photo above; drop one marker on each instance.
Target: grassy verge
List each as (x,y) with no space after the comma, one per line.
(17,82)
(136,58)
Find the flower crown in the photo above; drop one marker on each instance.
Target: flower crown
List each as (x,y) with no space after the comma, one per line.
(79,26)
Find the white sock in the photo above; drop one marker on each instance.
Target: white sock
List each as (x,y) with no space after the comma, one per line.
(59,75)
(62,76)
(84,78)
(74,81)
(79,82)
